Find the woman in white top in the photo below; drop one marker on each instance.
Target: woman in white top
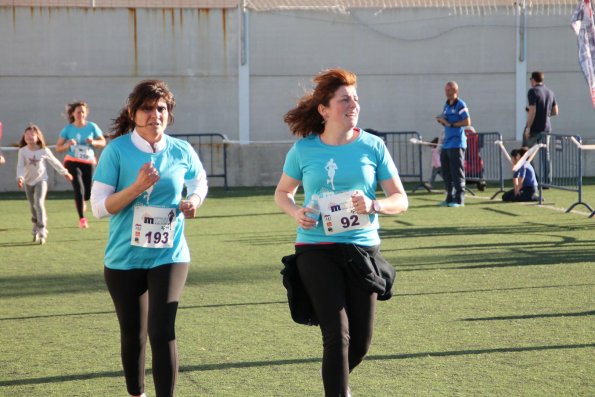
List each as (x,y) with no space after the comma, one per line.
(32,174)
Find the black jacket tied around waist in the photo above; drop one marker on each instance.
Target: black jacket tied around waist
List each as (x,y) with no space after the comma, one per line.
(363,265)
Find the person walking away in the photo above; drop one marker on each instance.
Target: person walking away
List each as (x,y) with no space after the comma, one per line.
(32,176)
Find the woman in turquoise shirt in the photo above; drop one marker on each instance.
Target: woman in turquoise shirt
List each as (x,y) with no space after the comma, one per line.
(339,166)
(138,184)
(78,139)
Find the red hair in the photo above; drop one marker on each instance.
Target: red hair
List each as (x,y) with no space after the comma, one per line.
(304,119)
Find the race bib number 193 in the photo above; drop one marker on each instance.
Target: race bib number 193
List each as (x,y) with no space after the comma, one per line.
(338,214)
(153,227)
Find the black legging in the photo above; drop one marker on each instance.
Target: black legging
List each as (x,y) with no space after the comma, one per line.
(345,312)
(82,176)
(146,301)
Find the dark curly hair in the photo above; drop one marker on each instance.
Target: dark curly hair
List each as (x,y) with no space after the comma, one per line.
(147,91)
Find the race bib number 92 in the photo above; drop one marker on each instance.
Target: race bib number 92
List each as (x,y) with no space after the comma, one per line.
(338,214)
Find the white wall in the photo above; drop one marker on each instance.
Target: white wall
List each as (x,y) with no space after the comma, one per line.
(404,57)
(51,56)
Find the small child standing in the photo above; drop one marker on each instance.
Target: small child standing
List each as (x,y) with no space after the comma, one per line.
(436,165)
(32,174)
(523,180)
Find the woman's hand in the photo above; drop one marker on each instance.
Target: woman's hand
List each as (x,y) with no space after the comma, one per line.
(303,220)
(189,206)
(361,203)
(68,176)
(20,183)
(147,176)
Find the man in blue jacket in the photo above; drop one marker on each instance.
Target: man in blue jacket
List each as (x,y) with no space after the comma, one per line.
(454,118)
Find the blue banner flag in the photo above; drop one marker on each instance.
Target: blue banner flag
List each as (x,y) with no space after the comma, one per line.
(584,28)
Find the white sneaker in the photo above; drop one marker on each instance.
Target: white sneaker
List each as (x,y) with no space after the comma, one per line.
(42,240)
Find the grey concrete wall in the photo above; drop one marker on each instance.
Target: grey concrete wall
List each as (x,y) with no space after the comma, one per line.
(52,56)
(403,57)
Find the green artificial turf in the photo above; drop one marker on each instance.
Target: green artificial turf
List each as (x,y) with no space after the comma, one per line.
(492,299)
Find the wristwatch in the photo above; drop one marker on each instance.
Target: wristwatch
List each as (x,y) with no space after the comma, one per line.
(376,207)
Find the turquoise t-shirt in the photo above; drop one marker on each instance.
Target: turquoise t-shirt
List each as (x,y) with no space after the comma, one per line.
(90,130)
(118,166)
(325,169)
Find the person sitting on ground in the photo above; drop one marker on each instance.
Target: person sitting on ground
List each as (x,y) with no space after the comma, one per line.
(523,180)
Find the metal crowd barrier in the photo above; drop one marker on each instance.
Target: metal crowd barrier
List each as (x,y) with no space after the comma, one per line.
(483,160)
(212,150)
(560,166)
(407,157)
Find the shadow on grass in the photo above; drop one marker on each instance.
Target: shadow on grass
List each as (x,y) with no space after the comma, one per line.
(531,316)
(491,260)
(485,229)
(18,244)
(283,302)
(501,212)
(110,312)
(58,284)
(475,291)
(541,244)
(269,363)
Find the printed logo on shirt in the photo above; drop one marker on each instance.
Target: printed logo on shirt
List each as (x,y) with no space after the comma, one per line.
(331,168)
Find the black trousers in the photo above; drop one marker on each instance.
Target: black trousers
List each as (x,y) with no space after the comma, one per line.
(525,194)
(544,159)
(146,302)
(82,176)
(453,174)
(345,313)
